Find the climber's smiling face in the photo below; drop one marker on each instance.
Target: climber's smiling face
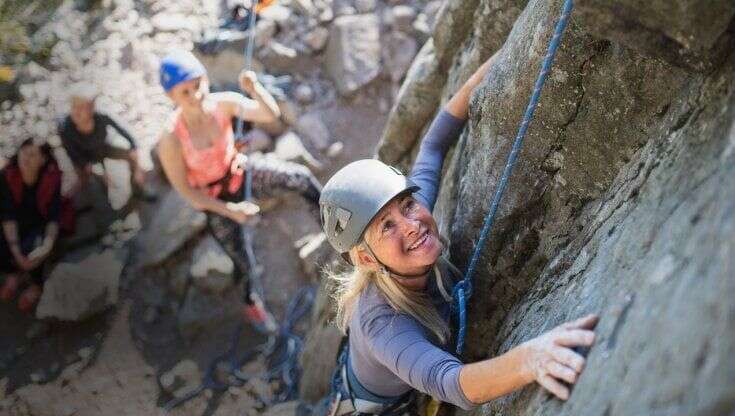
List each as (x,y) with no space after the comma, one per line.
(190,94)
(403,236)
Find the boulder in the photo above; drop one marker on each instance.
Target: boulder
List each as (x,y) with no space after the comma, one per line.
(365,6)
(290,147)
(353,52)
(400,49)
(402,17)
(304,94)
(182,379)
(211,268)
(314,252)
(76,291)
(277,13)
(305,7)
(283,409)
(174,223)
(174,22)
(311,126)
(317,38)
(277,56)
(320,347)
(221,52)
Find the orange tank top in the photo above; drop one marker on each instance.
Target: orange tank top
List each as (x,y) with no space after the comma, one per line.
(206,167)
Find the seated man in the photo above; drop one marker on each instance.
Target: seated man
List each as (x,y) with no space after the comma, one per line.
(84,137)
(30,211)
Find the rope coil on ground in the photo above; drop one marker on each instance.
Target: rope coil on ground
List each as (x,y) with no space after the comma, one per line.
(463,289)
(281,350)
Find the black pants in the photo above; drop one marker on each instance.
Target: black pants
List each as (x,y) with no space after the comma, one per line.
(28,242)
(270,177)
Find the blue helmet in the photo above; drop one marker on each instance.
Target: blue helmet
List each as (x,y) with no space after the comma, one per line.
(179,66)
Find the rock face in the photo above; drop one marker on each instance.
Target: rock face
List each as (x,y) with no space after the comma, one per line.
(620,203)
(78,290)
(353,52)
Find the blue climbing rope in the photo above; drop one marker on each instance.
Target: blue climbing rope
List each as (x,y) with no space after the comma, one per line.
(463,289)
(249,46)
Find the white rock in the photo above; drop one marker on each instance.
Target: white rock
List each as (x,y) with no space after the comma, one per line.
(327,15)
(276,13)
(304,94)
(290,147)
(353,53)
(345,10)
(182,379)
(402,17)
(314,254)
(278,56)
(174,22)
(335,149)
(77,291)
(399,51)
(365,6)
(174,223)
(305,7)
(311,126)
(317,38)
(264,31)
(211,268)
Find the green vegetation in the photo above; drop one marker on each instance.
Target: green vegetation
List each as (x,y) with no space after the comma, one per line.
(19,21)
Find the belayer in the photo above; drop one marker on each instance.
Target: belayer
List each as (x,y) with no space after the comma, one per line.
(395,304)
(198,154)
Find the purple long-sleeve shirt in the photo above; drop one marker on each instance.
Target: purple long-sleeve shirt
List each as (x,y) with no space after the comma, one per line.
(390,352)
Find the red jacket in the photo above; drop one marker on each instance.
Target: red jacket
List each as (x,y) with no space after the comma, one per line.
(49,184)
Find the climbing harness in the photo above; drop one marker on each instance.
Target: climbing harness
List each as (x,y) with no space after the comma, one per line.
(463,289)
(281,351)
(349,397)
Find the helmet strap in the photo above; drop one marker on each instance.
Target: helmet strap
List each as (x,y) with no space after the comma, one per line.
(399,276)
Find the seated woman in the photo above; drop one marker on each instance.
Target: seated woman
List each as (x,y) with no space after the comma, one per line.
(197,152)
(30,207)
(396,302)
(84,136)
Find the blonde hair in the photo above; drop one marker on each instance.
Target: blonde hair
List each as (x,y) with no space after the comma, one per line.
(349,286)
(83,91)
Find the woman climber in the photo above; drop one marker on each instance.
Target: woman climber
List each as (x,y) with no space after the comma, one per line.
(395,304)
(30,212)
(198,155)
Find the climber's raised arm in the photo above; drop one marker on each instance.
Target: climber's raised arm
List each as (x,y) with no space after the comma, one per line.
(261,107)
(443,132)
(459,104)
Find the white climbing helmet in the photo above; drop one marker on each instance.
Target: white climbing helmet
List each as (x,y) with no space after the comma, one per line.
(354,195)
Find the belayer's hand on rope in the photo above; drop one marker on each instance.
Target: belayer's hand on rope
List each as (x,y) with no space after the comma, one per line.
(241,212)
(248,80)
(550,359)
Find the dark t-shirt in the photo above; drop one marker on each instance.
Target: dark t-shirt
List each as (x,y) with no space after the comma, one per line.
(27,215)
(89,148)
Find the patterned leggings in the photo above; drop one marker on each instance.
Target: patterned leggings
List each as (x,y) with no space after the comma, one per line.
(270,177)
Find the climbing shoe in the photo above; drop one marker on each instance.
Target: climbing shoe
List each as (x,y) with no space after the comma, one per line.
(28,299)
(9,287)
(259,317)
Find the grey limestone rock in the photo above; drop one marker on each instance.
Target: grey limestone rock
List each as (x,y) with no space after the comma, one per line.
(620,202)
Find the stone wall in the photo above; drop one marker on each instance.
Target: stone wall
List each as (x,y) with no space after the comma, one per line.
(621,202)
